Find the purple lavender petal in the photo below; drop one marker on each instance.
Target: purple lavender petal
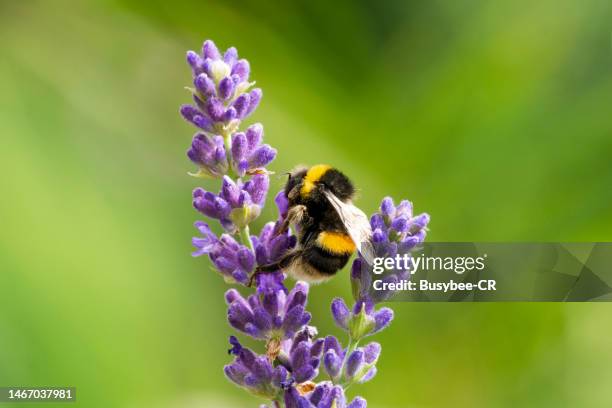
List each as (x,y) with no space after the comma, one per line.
(340,312)
(242,69)
(204,85)
(280,376)
(195,61)
(230,56)
(262,156)
(332,363)
(241,104)
(358,402)
(419,222)
(400,224)
(319,392)
(254,135)
(282,203)
(377,222)
(246,259)
(294,319)
(335,397)
(332,343)
(317,348)
(354,363)
(262,319)
(226,88)
(258,188)
(371,352)
(215,108)
(387,208)
(305,373)
(229,114)
(238,315)
(188,112)
(383,319)
(239,147)
(369,375)
(262,369)
(210,50)
(230,192)
(202,122)
(233,295)
(236,373)
(404,209)
(255,97)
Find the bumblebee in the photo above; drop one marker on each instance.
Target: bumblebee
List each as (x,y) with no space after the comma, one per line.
(328,226)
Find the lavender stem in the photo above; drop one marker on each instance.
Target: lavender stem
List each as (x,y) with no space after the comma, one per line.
(245,237)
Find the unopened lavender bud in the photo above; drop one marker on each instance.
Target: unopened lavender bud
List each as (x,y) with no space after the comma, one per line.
(195,61)
(377,222)
(419,222)
(262,156)
(210,50)
(379,236)
(230,56)
(204,85)
(340,312)
(188,112)
(242,104)
(226,88)
(371,352)
(254,134)
(232,295)
(354,362)
(358,402)
(258,188)
(334,398)
(332,363)
(215,109)
(400,224)
(230,191)
(246,258)
(255,97)
(239,147)
(382,319)
(404,209)
(368,375)
(230,114)
(387,208)
(282,203)
(202,122)
(242,69)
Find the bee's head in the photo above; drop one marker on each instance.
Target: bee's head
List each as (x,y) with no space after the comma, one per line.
(306,183)
(294,183)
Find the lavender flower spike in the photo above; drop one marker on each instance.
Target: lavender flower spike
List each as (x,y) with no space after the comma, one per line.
(255,373)
(235,262)
(220,90)
(249,156)
(208,153)
(325,395)
(294,356)
(237,204)
(271,314)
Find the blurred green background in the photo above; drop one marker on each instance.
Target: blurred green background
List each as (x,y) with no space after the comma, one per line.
(494,117)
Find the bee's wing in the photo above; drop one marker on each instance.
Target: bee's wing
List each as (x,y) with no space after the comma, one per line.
(356,224)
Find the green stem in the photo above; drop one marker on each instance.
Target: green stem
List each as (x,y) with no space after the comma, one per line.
(245,237)
(352,345)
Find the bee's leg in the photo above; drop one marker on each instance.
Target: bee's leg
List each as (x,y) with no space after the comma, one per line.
(296,215)
(284,262)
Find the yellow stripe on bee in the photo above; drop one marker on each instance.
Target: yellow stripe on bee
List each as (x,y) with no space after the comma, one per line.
(313,175)
(336,242)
